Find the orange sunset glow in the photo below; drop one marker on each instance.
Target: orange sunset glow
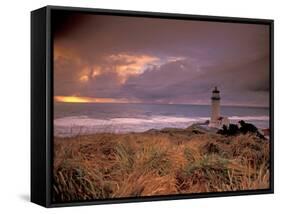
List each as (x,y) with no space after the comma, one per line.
(77,99)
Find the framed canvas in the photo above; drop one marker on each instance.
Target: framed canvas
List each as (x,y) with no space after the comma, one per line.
(133,106)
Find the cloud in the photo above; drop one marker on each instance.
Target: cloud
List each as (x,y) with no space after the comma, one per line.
(126,65)
(160,60)
(183,82)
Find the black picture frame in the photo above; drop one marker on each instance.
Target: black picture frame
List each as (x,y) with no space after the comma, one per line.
(42,104)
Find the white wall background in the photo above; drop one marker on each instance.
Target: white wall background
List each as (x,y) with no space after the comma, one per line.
(15,105)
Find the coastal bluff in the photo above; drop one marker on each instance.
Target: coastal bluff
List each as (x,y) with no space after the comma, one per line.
(158,162)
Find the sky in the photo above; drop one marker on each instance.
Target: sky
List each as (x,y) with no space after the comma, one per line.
(119,59)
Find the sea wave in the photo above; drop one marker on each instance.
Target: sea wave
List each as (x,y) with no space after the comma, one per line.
(75,125)
(249,118)
(83,124)
(88,121)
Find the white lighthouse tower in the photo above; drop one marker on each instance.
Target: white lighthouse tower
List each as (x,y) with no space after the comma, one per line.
(215,111)
(217,121)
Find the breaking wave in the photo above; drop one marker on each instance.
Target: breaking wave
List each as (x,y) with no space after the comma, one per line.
(75,125)
(84,125)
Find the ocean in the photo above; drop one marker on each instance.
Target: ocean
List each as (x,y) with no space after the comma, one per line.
(72,119)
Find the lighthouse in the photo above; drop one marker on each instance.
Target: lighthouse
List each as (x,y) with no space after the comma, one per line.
(215,109)
(217,121)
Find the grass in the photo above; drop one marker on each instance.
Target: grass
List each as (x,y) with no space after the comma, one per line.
(171,161)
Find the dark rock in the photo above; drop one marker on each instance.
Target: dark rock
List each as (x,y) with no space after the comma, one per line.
(247,127)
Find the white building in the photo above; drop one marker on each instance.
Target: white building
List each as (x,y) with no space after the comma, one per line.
(217,121)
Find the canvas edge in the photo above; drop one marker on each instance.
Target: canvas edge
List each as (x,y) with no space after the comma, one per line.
(38,109)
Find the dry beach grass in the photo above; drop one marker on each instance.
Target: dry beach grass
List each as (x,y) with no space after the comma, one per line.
(170,161)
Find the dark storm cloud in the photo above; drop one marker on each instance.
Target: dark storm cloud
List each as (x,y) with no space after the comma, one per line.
(181,61)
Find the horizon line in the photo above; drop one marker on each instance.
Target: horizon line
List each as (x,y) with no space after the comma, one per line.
(155,103)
